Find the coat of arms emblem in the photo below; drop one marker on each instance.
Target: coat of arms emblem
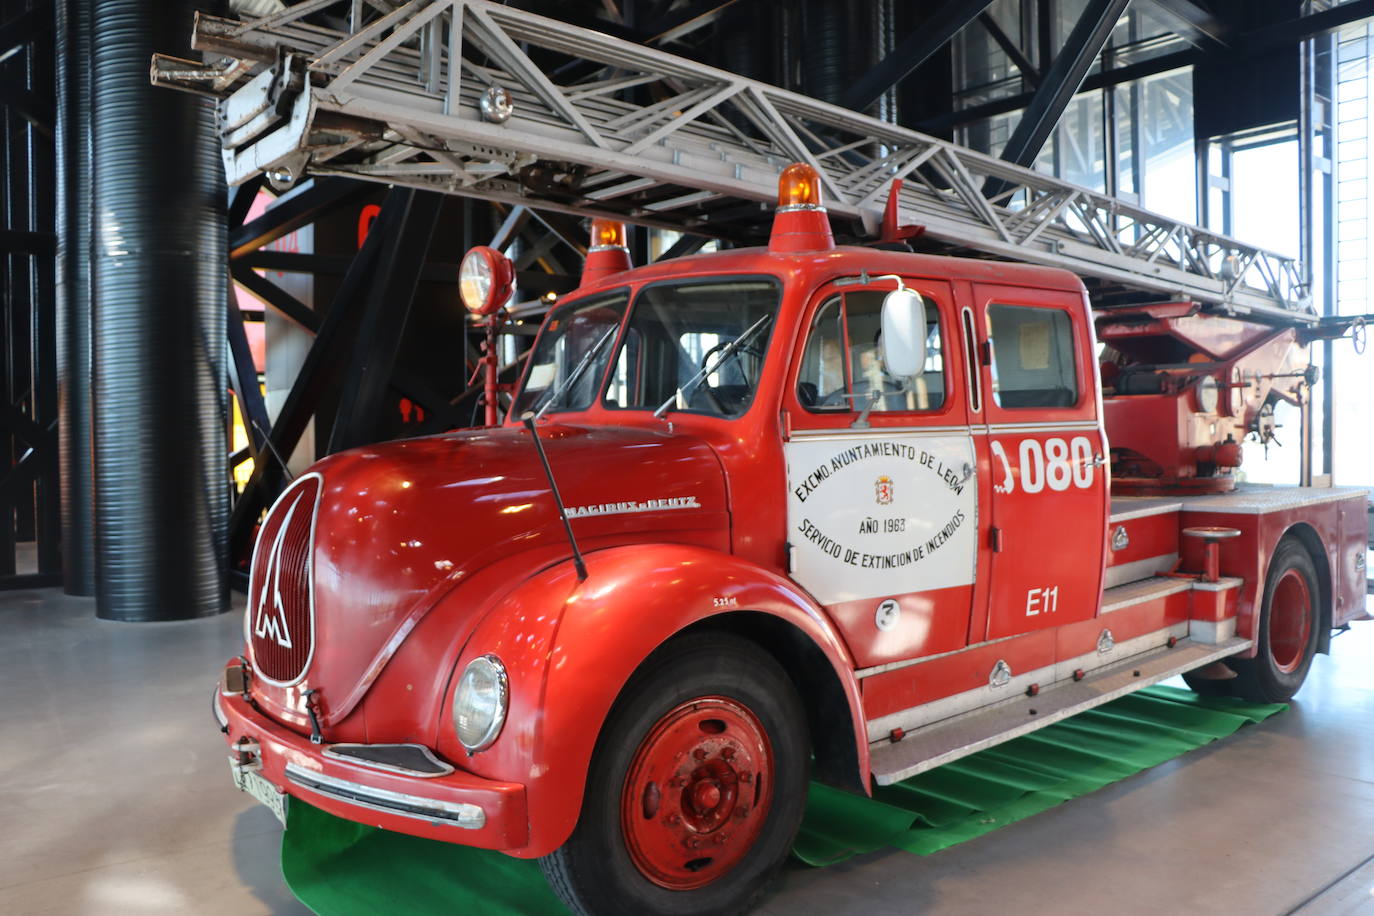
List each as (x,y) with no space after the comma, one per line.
(884,490)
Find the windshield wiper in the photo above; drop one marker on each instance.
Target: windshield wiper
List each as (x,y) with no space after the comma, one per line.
(726,352)
(576,374)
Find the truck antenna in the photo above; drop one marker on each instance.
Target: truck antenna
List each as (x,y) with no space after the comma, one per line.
(557,500)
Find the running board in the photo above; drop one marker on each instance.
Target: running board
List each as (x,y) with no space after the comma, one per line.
(949,739)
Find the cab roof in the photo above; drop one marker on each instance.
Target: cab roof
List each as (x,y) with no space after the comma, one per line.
(847,260)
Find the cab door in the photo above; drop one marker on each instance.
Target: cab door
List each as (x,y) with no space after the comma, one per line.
(882,509)
(1046,447)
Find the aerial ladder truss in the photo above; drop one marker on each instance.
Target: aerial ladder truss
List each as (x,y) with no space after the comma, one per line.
(474,98)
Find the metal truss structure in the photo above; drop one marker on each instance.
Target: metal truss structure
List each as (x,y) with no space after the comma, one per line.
(29,484)
(470,97)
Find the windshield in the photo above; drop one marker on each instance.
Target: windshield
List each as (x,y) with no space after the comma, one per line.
(680,327)
(561,376)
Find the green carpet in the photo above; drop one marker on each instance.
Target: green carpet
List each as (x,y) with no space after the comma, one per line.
(338,868)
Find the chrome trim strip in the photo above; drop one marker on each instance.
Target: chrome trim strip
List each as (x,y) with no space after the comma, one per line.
(975,430)
(220,717)
(877,431)
(445,769)
(1041,426)
(973,367)
(908,662)
(459,814)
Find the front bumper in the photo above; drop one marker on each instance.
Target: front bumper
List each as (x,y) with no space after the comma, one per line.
(455,807)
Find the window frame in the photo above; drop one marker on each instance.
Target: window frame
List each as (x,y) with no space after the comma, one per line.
(939,294)
(1073,302)
(995,399)
(569,305)
(694,280)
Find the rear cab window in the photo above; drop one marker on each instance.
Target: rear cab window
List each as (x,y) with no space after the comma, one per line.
(1033,357)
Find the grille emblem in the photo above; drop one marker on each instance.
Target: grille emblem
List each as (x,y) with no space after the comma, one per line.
(280,621)
(272,622)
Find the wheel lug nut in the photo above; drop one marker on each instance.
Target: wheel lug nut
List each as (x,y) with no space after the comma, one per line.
(693,843)
(699,753)
(746,777)
(674,820)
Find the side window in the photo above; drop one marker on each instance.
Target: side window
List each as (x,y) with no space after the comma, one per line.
(1032,357)
(841,367)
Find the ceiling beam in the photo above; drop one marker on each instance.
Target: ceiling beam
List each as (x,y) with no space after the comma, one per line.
(25,27)
(686,20)
(1062,80)
(912,51)
(1283,33)
(1009,48)
(1102,79)
(1190,22)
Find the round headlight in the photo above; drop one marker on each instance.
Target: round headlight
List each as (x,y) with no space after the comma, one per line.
(485,279)
(1207,394)
(479,704)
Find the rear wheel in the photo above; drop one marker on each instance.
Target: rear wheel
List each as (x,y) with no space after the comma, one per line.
(1287,630)
(696,789)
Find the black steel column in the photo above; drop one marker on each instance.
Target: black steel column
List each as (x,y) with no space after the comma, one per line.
(161,490)
(74,293)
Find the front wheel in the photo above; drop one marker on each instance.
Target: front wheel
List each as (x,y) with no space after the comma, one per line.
(696,790)
(1287,630)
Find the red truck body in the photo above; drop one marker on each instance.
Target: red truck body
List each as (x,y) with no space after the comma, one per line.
(959,548)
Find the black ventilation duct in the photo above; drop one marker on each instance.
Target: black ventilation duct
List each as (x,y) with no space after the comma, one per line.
(159,280)
(74,293)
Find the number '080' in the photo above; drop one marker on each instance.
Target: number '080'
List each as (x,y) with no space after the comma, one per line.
(1056,464)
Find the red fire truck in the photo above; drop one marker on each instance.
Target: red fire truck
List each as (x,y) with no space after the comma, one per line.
(765,515)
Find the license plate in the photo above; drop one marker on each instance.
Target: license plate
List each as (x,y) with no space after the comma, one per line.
(254,784)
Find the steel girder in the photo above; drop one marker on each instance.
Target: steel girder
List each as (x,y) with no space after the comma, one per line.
(30,483)
(913,50)
(1060,82)
(660,140)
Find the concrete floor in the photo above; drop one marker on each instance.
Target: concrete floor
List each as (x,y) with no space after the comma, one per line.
(115,799)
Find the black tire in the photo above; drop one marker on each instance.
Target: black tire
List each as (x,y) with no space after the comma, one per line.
(596,873)
(1282,659)
(1210,687)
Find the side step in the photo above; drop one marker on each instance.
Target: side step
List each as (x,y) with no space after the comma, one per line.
(1141,591)
(949,739)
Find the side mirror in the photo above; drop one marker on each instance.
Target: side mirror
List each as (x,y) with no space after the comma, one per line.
(903,339)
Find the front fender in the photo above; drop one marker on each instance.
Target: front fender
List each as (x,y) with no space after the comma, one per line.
(569,649)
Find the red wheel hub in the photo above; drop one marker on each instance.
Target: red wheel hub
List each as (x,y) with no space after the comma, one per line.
(1290,621)
(697,793)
